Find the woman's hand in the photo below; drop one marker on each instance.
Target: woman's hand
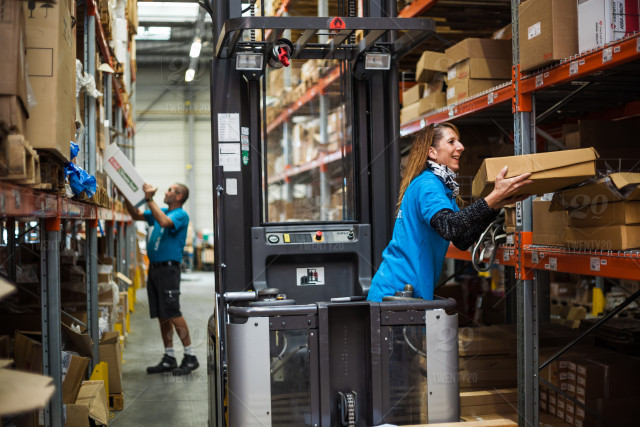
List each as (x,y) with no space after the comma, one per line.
(505,188)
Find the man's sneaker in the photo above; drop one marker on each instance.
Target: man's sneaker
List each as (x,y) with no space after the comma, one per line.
(168,363)
(188,364)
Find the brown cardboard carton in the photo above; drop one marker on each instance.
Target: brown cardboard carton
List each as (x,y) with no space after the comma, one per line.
(110,353)
(616,187)
(480,68)
(430,64)
(605,214)
(550,171)
(51,65)
(27,351)
(468,87)
(12,112)
(92,395)
(548,32)
(478,48)
(23,391)
(76,415)
(13,64)
(413,94)
(548,226)
(74,369)
(610,238)
(409,112)
(432,102)
(486,397)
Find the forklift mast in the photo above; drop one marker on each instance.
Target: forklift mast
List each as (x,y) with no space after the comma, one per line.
(305,187)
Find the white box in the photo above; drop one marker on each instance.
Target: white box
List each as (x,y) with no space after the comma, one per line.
(123,174)
(604,21)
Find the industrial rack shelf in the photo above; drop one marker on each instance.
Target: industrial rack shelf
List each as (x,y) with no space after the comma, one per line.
(570,69)
(106,55)
(612,264)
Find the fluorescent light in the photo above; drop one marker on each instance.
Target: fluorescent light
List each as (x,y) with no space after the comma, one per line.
(189,75)
(153,33)
(167,12)
(377,61)
(249,61)
(195,48)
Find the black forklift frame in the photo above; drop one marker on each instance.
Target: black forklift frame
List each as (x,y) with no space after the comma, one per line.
(238,220)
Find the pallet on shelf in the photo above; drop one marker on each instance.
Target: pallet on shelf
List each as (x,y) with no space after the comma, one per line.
(21,161)
(52,175)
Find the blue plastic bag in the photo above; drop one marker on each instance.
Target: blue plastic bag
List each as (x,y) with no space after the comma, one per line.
(80,180)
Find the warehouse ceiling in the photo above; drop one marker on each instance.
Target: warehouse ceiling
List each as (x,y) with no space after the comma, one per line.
(167,30)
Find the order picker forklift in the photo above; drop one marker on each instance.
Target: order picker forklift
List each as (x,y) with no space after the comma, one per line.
(292,340)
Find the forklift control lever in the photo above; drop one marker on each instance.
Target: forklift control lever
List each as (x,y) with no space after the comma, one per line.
(281,53)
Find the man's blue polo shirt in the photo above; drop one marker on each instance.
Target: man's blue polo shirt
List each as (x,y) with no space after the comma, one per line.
(416,252)
(167,244)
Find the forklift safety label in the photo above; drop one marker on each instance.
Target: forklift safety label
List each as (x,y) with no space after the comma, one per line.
(228,127)
(310,276)
(229,156)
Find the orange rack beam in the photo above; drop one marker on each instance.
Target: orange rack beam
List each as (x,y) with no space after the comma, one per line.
(614,264)
(478,102)
(416,8)
(311,93)
(573,68)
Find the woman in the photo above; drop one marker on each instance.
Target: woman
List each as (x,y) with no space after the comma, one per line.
(428,216)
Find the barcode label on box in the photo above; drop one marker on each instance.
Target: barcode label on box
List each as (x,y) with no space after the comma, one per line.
(534,30)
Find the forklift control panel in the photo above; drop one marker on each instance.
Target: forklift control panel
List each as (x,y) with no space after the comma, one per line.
(319,236)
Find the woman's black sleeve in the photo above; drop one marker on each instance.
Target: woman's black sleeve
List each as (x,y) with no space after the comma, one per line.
(462,228)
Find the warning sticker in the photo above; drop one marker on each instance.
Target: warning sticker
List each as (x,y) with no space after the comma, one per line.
(310,276)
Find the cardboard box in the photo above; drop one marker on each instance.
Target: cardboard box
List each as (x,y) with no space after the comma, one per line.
(13,87)
(605,214)
(92,395)
(486,397)
(76,415)
(611,238)
(409,112)
(548,226)
(13,64)
(413,94)
(468,87)
(13,112)
(550,171)
(603,21)
(23,391)
(480,68)
(27,351)
(617,187)
(548,32)
(74,371)
(110,352)
(51,53)
(430,64)
(478,48)
(123,174)
(432,102)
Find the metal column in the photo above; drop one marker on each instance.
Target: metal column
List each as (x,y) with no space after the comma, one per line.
(89,148)
(325,191)
(527,315)
(50,296)
(91,250)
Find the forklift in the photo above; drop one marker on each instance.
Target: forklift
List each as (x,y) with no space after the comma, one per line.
(305,186)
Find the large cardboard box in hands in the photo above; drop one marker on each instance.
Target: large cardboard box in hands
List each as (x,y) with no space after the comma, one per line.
(549,171)
(51,62)
(123,174)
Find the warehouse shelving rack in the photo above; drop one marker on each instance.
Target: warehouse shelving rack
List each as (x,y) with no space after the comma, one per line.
(20,203)
(530,260)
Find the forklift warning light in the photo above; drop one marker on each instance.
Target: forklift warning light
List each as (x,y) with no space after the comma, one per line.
(249,61)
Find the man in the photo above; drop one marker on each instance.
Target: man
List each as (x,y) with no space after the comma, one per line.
(164,248)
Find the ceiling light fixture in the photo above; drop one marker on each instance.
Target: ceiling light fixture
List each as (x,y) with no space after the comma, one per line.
(196,46)
(189,75)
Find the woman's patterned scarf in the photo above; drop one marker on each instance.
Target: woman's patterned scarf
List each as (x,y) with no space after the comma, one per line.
(446,175)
